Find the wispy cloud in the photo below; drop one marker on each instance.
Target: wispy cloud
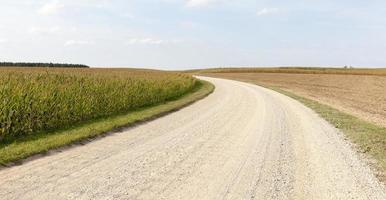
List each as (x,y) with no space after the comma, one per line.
(44,30)
(189,24)
(77,42)
(198,3)
(3,40)
(148,41)
(267,11)
(51,8)
(127,15)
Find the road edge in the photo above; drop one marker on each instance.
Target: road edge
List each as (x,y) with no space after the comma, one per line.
(345,126)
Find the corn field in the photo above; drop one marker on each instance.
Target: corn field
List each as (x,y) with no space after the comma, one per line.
(40,99)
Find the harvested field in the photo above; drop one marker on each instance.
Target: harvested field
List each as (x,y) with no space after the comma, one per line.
(363,96)
(296,70)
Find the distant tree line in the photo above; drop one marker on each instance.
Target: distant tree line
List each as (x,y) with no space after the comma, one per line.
(24,64)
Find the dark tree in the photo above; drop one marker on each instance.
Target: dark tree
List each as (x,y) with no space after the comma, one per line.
(58,65)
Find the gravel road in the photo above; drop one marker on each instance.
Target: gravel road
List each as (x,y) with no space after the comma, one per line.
(241,142)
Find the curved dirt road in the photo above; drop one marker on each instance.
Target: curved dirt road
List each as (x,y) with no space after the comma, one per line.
(241,142)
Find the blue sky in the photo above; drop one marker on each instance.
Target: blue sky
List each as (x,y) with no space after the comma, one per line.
(182,34)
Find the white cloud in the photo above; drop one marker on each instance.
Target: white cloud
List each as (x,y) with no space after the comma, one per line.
(198,3)
(147,41)
(189,24)
(267,11)
(127,15)
(206,3)
(2,40)
(77,42)
(44,30)
(56,6)
(51,8)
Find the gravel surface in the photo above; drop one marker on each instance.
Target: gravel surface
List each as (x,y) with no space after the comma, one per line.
(241,142)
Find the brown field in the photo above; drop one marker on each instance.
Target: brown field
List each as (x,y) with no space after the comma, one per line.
(297,70)
(363,96)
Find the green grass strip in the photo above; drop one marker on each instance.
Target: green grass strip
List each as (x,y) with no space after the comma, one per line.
(370,138)
(43,142)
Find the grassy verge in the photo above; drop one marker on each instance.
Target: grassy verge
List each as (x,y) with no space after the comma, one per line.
(369,138)
(10,152)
